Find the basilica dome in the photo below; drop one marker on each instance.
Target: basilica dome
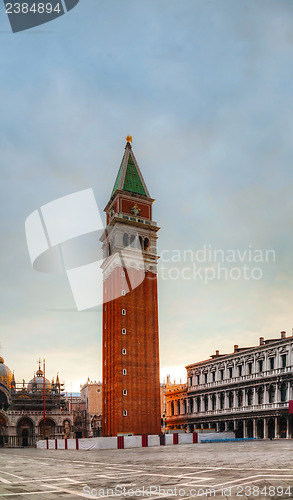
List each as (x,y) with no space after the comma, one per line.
(37,383)
(5,374)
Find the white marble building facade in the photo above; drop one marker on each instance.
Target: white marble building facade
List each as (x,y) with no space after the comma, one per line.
(247,391)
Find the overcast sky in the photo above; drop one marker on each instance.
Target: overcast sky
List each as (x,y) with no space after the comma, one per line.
(205,89)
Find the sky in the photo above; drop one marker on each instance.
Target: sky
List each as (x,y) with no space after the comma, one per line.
(205,89)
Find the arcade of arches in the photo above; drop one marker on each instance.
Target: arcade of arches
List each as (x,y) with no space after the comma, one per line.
(260,427)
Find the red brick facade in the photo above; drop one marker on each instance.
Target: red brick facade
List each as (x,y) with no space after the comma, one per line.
(141,360)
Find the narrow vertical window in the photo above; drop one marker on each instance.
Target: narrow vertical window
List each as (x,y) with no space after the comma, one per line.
(123,312)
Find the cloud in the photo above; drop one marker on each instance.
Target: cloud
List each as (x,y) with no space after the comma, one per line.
(205,90)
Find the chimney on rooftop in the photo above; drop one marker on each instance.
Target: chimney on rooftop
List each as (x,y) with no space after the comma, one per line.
(261,340)
(283,335)
(235,347)
(217,353)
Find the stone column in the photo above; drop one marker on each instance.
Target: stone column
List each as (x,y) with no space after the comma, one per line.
(226,400)
(265,428)
(266,394)
(276,428)
(254,428)
(254,397)
(181,407)
(209,402)
(287,385)
(277,391)
(245,428)
(218,401)
(290,391)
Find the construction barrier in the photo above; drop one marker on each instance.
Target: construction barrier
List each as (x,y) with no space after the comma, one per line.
(119,442)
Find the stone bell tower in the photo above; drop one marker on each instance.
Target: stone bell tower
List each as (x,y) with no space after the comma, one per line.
(131,384)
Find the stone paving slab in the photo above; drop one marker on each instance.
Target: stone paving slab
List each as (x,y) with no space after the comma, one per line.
(246,470)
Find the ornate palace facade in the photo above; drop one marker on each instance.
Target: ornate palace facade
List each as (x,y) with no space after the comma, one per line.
(247,391)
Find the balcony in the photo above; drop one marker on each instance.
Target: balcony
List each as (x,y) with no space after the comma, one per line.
(243,378)
(132,218)
(242,409)
(228,411)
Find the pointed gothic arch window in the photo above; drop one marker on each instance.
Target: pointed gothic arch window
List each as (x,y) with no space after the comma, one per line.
(146,244)
(213,401)
(191,405)
(283,392)
(132,240)
(206,403)
(249,397)
(222,399)
(260,396)
(184,406)
(240,397)
(125,240)
(198,404)
(231,399)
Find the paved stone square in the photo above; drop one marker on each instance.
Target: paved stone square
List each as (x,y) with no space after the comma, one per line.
(260,469)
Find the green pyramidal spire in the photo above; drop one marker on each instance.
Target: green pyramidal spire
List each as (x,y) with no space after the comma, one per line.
(129,177)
